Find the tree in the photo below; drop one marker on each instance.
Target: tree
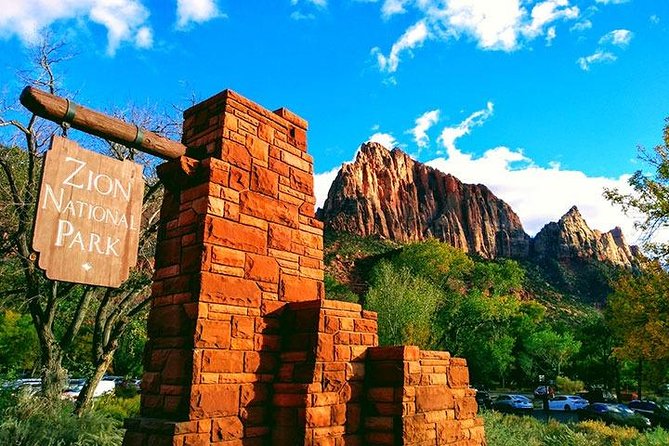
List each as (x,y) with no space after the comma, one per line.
(59,310)
(637,312)
(650,197)
(552,349)
(406,305)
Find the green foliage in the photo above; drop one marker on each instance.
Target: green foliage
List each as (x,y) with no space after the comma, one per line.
(129,356)
(33,421)
(347,245)
(552,350)
(18,343)
(510,430)
(638,312)
(566,385)
(650,198)
(335,290)
(117,408)
(406,305)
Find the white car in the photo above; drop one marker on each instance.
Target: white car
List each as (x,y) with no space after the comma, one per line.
(567,402)
(76,385)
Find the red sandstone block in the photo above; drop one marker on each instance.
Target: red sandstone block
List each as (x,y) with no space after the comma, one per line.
(262,268)
(465,408)
(243,327)
(270,209)
(234,235)
(430,398)
(264,181)
(212,334)
(195,440)
(227,428)
(222,361)
(380,439)
(229,290)
(236,154)
(318,416)
(169,320)
(214,400)
(279,237)
(218,170)
(302,181)
(296,289)
(239,179)
(258,148)
(241,344)
(227,256)
(296,161)
(458,376)
(279,167)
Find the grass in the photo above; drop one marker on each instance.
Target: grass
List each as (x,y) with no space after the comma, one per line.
(510,430)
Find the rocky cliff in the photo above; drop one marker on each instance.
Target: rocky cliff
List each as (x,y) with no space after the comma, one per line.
(389,194)
(571,238)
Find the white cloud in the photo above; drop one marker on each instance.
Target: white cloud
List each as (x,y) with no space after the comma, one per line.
(617,37)
(392,7)
(322,183)
(654,19)
(385,139)
(551,34)
(450,134)
(297,15)
(144,38)
(611,2)
(581,26)
(414,36)
(196,11)
(423,124)
(493,24)
(124,20)
(538,194)
(599,56)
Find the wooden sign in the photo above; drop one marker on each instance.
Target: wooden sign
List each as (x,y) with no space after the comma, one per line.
(88,215)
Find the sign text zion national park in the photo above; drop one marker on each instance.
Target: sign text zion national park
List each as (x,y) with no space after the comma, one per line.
(88,215)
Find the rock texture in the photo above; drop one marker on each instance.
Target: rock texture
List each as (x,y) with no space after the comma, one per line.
(571,238)
(389,194)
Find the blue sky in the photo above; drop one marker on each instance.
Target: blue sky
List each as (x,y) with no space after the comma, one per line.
(543,101)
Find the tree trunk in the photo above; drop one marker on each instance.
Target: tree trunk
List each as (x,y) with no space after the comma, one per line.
(85,397)
(639,378)
(54,376)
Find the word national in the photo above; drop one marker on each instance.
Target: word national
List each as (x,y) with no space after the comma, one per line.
(87,225)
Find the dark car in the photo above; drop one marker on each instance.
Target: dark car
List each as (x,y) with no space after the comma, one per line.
(658,414)
(483,399)
(617,414)
(510,403)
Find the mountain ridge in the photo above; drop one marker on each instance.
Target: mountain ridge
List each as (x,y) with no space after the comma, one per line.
(387,193)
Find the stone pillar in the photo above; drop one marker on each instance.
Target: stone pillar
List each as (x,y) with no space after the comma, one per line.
(237,241)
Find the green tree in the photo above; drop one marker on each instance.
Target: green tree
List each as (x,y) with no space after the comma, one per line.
(18,343)
(406,305)
(637,312)
(551,349)
(59,310)
(650,197)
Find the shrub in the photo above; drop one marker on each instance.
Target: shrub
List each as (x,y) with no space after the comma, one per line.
(406,305)
(35,421)
(117,408)
(566,385)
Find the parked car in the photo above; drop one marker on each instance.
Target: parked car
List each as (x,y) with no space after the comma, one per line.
(598,395)
(567,403)
(511,403)
(76,385)
(483,399)
(658,414)
(30,385)
(617,414)
(542,391)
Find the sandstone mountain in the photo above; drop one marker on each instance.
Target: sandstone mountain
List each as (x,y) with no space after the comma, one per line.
(388,194)
(571,238)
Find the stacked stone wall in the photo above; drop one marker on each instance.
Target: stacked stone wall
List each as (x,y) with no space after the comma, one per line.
(243,348)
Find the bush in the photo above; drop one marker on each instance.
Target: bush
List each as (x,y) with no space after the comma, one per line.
(566,385)
(35,421)
(117,408)
(406,305)
(509,430)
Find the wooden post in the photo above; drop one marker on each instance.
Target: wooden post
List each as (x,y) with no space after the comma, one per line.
(60,110)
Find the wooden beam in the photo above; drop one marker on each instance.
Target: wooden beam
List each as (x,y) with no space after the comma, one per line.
(61,110)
